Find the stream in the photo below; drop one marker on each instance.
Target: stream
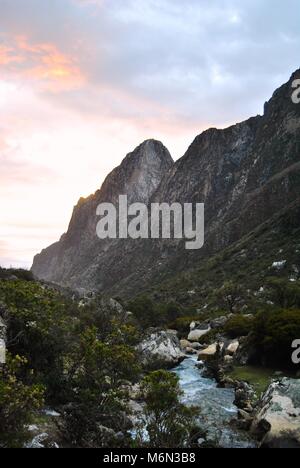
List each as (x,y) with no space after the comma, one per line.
(216,406)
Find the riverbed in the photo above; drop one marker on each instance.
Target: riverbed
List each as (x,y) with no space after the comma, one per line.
(216,406)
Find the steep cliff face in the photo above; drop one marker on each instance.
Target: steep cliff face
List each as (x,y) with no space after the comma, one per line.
(244,174)
(73,260)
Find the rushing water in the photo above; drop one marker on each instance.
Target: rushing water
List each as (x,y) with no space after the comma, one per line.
(216,405)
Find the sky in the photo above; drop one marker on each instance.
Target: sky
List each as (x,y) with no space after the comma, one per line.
(83,82)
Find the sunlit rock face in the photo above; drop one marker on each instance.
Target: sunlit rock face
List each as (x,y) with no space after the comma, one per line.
(74,260)
(277,420)
(245,174)
(160,348)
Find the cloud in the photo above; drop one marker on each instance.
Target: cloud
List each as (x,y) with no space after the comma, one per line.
(8,56)
(40,63)
(14,171)
(192,61)
(82,82)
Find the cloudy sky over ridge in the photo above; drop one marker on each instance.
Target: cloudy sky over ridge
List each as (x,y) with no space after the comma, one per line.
(82,82)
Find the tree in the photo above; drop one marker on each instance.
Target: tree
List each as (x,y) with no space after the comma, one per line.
(229,296)
(145,312)
(283,293)
(273,334)
(239,325)
(98,372)
(40,324)
(18,402)
(168,421)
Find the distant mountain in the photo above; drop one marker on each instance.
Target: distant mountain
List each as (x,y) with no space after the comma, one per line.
(245,175)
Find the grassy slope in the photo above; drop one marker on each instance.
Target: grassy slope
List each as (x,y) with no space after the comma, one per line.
(247,262)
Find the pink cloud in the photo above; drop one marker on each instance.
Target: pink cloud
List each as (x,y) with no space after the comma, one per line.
(41,63)
(8,56)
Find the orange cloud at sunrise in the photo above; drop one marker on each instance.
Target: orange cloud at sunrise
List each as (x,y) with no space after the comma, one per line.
(8,56)
(42,63)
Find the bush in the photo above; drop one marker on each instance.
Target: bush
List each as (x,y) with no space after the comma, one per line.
(21,274)
(182,325)
(169,423)
(150,314)
(144,312)
(229,296)
(283,293)
(18,402)
(84,358)
(211,336)
(237,326)
(40,325)
(97,376)
(273,334)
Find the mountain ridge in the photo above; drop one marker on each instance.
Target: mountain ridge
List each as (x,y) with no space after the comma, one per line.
(243,174)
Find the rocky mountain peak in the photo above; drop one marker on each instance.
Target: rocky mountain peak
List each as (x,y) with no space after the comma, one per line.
(244,174)
(139,174)
(281,101)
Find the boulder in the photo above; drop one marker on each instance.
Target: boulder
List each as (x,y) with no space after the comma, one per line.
(232,348)
(196,346)
(173,332)
(160,349)
(2,328)
(244,415)
(244,420)
(209,351)
(228,359)
(2,351)
(246,352)
(2,341)
(277,420)
(220,321)
(244,396)
(191,351)
(195,335)
(185,344)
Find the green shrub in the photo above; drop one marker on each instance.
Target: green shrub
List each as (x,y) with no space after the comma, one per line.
(169,423)
(210,337)
(283,293)
(239,325)
(98,372)
(145,312)
(40,325)
(229,296)
(151,314)
(18,402)
(182,325)
(273,334)
(21,274)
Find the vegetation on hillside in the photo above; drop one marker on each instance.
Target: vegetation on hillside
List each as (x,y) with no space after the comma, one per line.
(169,423)
(78,357)
(81,357)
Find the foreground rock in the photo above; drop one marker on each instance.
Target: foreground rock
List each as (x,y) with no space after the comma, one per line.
(224,349)
(45,434)
(195,335)
(277,422)
(160,349)
(210,351)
